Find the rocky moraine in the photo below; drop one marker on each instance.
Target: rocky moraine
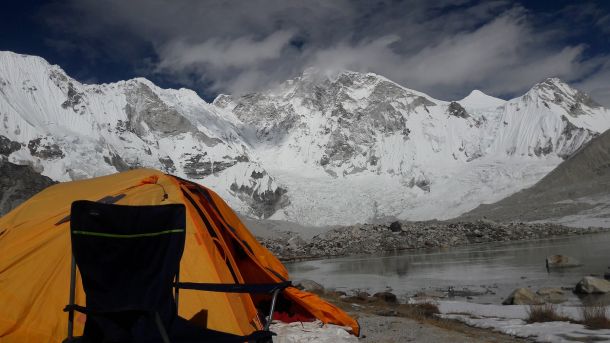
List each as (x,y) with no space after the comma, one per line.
(396,236)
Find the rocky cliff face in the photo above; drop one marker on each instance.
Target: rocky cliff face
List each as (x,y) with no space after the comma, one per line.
(19,183)
(318,149)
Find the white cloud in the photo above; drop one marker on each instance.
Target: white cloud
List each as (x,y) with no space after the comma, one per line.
(437,47)
(503,56)
(242,52)
(597,84)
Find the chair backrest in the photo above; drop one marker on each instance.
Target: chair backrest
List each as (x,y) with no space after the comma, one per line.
(128,256)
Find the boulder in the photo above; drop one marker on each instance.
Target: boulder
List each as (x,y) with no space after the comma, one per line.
(561,261)
(523,296)
(387,297)
(552,295)
(590,285)
(296,242)
(309,286)
(396,226)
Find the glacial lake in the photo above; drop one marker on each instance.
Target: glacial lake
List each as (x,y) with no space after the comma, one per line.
(493,268)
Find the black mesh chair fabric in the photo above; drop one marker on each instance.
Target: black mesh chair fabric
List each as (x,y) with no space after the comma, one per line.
(128,257)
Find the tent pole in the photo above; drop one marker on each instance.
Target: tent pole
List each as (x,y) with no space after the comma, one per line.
(270,318)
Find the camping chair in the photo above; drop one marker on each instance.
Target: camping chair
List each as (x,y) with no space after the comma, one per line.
(129,260)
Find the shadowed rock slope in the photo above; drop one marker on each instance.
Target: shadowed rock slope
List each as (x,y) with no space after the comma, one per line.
(578,185)
(18,183)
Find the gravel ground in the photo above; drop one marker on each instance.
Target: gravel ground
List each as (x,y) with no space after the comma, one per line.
(397,329)
(383,320)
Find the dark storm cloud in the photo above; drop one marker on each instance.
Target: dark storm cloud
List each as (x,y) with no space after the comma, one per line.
(444,48)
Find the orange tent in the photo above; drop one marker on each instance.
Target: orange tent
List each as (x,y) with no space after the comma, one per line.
(35,258)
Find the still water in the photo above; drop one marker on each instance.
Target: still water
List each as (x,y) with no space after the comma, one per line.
(495,269)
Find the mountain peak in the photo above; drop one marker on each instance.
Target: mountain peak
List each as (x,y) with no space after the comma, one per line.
(554,91)
(317,75)
(478,99)
(13,61)
(553,83)
(5,54)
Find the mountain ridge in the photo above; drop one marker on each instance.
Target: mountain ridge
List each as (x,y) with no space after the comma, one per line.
(317,150)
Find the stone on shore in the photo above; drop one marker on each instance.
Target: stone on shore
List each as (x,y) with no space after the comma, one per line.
(523,296)
(552,295)
(296,242)
(590,285)
(387,297)
(309,286)
(561,261)
(396,227)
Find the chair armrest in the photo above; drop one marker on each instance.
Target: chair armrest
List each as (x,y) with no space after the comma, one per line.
(234,288)
(77,308)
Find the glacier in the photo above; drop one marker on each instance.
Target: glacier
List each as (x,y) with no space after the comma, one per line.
(317,149)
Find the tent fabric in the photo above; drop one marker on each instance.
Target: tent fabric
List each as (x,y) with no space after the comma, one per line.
(35,258)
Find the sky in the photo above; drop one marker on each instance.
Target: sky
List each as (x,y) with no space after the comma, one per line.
(443,48)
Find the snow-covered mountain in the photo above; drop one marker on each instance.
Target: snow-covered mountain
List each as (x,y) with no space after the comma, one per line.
(317,149)
(68,130)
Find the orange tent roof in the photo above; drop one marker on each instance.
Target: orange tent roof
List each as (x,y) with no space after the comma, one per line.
(35,258)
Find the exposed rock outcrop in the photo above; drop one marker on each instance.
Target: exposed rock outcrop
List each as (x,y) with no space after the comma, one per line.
(8,146)
(19,183)
(263,203)
(45,148)
(456,110)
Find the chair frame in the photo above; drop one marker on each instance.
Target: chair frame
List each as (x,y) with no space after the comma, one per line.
(274,289)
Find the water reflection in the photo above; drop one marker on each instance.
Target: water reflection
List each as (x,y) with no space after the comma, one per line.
(502,266)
